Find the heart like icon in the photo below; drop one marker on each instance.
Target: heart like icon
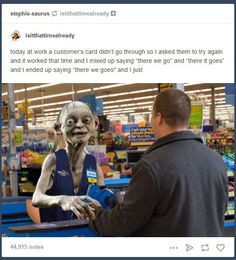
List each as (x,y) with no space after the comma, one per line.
(220,247)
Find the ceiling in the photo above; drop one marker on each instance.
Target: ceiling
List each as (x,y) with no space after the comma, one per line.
(47,99)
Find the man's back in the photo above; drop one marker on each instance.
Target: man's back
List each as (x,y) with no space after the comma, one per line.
(191,186)
(179,187)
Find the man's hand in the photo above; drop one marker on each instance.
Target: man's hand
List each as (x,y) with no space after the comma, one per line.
(90,207)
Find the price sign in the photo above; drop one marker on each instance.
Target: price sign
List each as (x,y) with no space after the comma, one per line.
(196,117)
(141,136)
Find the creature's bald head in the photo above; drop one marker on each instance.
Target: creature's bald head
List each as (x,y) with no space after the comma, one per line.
(76,122)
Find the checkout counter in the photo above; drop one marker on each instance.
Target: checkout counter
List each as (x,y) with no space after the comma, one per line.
(17,223)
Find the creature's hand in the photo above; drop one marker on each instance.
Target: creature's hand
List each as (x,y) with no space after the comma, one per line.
(90,206)
(75,204)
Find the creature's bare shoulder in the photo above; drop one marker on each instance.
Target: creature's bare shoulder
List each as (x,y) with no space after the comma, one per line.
(49,164)
(45,181)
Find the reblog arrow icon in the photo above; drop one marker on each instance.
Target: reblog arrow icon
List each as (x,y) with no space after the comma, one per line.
(188,247)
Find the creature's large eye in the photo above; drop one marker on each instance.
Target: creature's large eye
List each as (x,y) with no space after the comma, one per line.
(70,122)
(87,120)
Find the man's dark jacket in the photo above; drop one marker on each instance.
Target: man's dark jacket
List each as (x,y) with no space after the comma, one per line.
(179,188)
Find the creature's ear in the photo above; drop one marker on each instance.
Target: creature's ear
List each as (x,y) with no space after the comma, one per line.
(96,120)
(57,124)
(57,127)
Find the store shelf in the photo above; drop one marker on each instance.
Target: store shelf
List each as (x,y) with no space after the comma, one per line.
(229,217)
(230,213)
(230,174)
(32,166)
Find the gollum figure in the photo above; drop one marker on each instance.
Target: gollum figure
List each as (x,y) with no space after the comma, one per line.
(67,173)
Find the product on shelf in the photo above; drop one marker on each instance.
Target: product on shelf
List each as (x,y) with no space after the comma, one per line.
(228,158)
(221,141)
(29,157)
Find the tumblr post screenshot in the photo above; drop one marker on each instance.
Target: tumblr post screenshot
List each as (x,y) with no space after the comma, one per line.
(117,130)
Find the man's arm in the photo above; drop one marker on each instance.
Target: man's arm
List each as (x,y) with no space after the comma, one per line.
(136,210)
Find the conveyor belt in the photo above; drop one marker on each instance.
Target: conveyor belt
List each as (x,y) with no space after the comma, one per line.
(52,226)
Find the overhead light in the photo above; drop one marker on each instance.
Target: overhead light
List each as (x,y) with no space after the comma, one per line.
(84,90)
(119,112)
(47,97)
(216,99)
(216,94)
(118,94)
(127,108)
(140,98)
(113,110)
(111,106)
(144,107)
(16,91)
(127,93)
(143,103)
(218,102)
(33,88)
(113,86)
(209,95)
(128,99)
(79,91)
(197,91)
(141,113)
(191,91)
(52,109)
(192,84)
(219,98)
(205,90)
(219,88)
(52,96)
(116,115)
(47,122)
(51,104)
(128,105)
(46,118)
(118,101)
(144,90)
(226,105)
(42,86)
(48,114)
(113,95)
(119,109)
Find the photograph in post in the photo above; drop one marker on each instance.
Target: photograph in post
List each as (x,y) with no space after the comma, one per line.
(118,159)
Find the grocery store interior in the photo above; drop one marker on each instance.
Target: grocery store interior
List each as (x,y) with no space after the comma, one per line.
(29,112)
